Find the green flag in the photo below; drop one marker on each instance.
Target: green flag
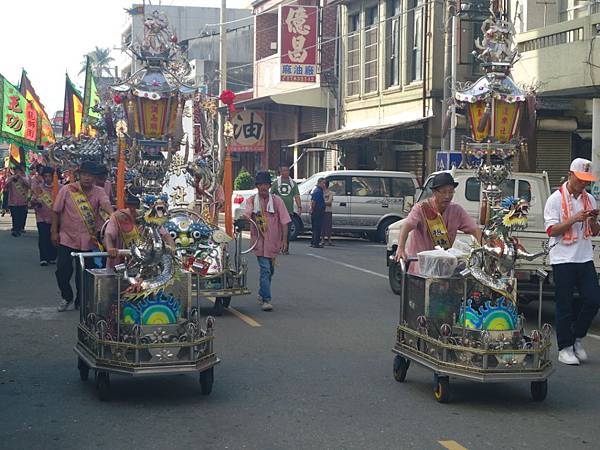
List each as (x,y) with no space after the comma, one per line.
(90,95)
(20,123)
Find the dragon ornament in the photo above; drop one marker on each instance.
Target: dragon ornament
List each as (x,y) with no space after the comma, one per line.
(493,263)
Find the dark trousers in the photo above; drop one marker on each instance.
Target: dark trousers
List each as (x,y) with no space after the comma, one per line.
(316,219)
(572,319)
(45,246)
(18,215)
(64,272)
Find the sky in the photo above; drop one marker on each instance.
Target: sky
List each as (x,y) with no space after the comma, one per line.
(49,38)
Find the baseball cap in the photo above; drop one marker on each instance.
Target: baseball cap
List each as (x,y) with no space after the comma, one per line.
(582,169)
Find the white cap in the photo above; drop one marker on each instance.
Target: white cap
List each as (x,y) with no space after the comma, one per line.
(582,169)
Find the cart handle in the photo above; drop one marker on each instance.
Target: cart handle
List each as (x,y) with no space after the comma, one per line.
(98,254)
(404,265)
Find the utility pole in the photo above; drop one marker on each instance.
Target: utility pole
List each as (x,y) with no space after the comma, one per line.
(224,153)
(453,90)
(447,57)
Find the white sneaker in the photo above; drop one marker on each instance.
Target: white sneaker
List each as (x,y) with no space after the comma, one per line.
(266,306)
(65,306)
(43,263)
(567,356)
(579,352)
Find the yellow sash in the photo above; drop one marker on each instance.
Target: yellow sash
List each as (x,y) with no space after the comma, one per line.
(21,189)
(45,198)
(86,212)
(436,226)
(127,237)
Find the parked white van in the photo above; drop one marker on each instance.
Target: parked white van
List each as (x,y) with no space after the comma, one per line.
(364,201)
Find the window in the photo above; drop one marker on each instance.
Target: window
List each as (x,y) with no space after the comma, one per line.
(472,189)
(402,187)
(393,27)
(415,33)
(337,185)
(371,48)
(369,187)
(353,56)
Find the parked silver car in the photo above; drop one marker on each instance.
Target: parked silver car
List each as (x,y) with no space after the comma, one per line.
(364,201)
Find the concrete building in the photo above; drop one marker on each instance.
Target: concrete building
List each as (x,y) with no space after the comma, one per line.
(560,55)
(197,30)
(391,83)
(290,105)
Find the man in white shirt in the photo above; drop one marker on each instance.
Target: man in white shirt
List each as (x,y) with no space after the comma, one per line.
(570,219)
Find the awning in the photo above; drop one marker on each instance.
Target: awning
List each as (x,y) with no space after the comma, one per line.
(315,97)
(347,133)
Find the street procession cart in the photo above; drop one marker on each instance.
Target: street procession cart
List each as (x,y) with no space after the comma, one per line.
(458,313)
(143,317)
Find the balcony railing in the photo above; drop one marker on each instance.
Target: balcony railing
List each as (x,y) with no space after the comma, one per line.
(564,37)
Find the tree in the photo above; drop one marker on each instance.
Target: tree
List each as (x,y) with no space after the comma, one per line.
(100,60)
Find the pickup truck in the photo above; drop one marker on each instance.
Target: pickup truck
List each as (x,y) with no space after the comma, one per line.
(533,187)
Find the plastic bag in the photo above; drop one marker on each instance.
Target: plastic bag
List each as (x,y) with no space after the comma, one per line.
(437,263)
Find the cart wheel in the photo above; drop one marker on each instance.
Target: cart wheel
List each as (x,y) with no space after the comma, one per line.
(442,389)
(219,306)
(226,301)
(84,370)
(401,366)
(539,390)
(206,381)
(103,386)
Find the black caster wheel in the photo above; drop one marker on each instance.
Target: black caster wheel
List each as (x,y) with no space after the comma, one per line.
(226,301)
(206,381)
(219,306)
(441,390)
(103,386)
(539,390)
(401,366)
(84,370)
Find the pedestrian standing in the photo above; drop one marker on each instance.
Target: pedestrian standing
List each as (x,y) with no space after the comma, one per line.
(286,188)
(271,216)
(571,219)
(41,200)
(103,181)
(327,216)
(317,211)
(74,228)
(18,198)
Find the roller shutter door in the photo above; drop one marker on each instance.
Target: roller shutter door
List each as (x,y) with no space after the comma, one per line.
(554,154)
(409,161)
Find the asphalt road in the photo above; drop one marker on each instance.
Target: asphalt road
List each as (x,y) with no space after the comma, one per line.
(316,373)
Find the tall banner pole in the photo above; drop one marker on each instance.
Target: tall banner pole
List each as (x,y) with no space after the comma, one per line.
(121,174)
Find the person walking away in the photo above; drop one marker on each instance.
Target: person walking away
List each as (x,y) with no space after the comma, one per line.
(74,228)
(571,219)
(317,211)
(327,216)
(41,201)
(286,188)
(18,197)
(272,219)
(103,181)
(435,222)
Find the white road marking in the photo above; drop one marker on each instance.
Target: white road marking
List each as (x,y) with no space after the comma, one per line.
(349,266)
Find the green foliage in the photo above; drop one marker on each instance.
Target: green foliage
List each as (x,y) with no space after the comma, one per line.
(243,181)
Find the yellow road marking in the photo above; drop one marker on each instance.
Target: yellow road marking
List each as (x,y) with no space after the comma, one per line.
(452,445)
(243,317)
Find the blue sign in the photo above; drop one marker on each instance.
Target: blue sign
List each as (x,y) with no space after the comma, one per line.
(447,160)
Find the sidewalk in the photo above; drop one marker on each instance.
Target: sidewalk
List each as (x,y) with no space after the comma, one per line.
(6,222)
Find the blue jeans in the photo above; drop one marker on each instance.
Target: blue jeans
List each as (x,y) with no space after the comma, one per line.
(572,319)
(266,273)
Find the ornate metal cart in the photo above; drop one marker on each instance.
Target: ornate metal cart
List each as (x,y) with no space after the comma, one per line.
(160,334)
(438,329)
(467,326)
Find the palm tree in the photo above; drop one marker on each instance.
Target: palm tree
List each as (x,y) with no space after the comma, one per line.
(100,60)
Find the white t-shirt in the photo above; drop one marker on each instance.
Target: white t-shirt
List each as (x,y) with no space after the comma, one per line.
(581,250)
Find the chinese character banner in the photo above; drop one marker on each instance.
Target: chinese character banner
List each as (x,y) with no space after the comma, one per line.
(248,132)
(47,134)
(20,121)
(298,43)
